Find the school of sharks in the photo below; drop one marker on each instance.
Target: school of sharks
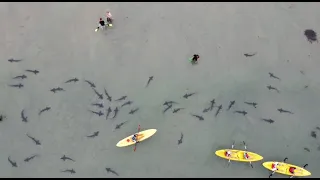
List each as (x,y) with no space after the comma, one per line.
(125,105)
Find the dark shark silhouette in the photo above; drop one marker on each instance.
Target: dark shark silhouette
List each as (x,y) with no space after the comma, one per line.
(64,158)
(231,104)
(180,140)
(95,134)
(218,110)
(36,141)
(200,118)
(20,77)
(90,83)
(72,80)
(14,60)
(112,171)
(268,120)
(33,71)
(30,158)
(249,55)
(150,79)
(13,163)
(186,96)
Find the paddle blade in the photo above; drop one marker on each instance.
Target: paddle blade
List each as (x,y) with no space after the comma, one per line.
(135,145)
(272,174)
(232,146)
(228,164)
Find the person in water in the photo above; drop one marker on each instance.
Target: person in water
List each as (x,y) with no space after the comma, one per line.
(195,58)
(109,17)
(102,24)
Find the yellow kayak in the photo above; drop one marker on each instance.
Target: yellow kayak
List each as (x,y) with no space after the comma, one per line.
(141,136)
(283,168)
(238,155)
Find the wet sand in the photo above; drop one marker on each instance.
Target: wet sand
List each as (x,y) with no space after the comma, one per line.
(156,39)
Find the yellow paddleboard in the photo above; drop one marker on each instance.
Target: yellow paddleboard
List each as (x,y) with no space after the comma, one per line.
(142,135)
(238,155)
(283,168)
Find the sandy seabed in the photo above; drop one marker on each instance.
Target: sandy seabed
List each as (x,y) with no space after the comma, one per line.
(156,39)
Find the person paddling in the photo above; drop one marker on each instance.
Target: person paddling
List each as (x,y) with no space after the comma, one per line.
(246,155)
(134,138)
(227,153)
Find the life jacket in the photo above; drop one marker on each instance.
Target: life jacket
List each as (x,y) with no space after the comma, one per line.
(226,154)
(134,137)
(274,165)
(291,170)
(246,155)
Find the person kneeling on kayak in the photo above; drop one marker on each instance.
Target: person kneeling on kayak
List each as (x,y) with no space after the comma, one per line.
(134,137)
(227,153)
(291,169)
(246,155)
(274,166)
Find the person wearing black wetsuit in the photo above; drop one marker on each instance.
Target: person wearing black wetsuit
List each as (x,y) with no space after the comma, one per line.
(195,58)
(102,24)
